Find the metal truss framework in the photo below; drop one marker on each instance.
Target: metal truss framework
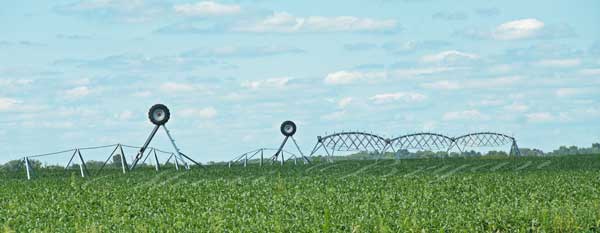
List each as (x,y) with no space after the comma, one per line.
(77,158)
(350,141)
(361,141)
(487,139)
(260,155)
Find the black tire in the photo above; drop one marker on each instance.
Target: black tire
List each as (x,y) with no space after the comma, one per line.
(288,128)
(159,114)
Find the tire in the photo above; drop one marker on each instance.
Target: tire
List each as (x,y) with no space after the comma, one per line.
(159,114)
(288,128)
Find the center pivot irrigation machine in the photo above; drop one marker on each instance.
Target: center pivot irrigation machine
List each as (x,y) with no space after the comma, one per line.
(368,142)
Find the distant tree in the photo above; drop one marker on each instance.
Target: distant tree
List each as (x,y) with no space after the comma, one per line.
(19,165)
(116,160)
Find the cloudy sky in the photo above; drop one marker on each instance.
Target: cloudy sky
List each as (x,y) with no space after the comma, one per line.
(83,73)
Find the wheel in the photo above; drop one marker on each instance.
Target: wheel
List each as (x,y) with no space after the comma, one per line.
(159,114)
(288,128)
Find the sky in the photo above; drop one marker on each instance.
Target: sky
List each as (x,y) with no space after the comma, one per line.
(83,73)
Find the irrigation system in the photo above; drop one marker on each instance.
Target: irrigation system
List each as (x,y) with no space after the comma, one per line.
(350,141)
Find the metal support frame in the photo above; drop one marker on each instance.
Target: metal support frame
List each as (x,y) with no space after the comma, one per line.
(280,151)
(178,156)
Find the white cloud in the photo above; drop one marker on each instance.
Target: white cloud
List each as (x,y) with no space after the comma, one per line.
(516,107)
(206,8)
(7,103)
(470,84)
(421,71)
(465,115)
(518,29)
(267,83)
(177,87)
(399,96)
(344,102)
(590,72)
(203,113)
(443,85)
(133,11)
(487,102)
(142,94)
(561,63)
(12,83)
(540,117)
(449,56)
(124,115)
(348,77)
(569,91)
(77,92)
(285,22)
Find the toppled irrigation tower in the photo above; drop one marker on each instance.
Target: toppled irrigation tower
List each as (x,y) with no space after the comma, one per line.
(288,129)
(78,158)
(159,115)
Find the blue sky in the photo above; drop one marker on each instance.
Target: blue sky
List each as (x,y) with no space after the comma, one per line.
(81,73)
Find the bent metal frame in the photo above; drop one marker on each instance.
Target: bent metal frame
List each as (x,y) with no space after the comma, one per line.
(288,129)
(159,115)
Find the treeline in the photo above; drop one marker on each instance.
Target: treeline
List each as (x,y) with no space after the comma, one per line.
(19,165)
(561,151)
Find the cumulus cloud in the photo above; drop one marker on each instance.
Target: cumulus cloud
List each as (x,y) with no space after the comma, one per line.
(528,28)
(267,83)
(77,92)
(348,77)
(286,23)
(206,8)
(518,29)
(202,113)
(408,97)
(472,114)
(449,56)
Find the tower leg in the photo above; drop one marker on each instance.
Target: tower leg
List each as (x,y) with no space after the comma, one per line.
(157,164)
(123,160)
(82,166)
(261,157)
(28,168)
